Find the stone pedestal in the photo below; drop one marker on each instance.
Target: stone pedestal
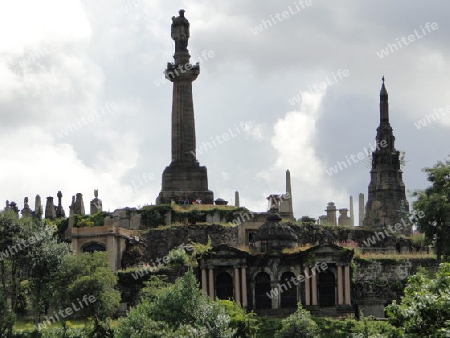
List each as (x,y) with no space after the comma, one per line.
(185,181)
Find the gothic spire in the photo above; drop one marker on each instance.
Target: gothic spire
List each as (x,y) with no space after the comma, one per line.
(384,104)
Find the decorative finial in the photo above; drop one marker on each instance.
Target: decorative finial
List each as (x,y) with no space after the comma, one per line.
(382,79)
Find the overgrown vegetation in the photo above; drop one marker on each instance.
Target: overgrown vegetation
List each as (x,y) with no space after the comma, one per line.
(94,220)
(154,216)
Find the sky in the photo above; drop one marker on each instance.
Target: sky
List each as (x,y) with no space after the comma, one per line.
(84,104)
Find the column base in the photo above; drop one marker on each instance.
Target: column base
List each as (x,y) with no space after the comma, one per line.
(186,181)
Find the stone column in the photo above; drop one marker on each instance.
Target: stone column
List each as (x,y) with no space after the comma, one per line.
(204,281)
(340,288)
(314,288)
(211,284)
(237,286)
(307,290)
(244,286)
(276,296)
(111,248)
(347,284)
(352,214)
(361,209)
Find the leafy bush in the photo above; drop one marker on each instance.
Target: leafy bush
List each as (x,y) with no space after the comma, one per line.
(353,328)
(425,307)
(178,309)
(268,326)
(246,324)
(299,324)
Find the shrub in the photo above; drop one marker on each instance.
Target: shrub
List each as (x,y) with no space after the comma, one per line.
(299,324)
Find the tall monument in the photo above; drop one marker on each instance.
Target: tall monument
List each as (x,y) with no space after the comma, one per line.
(386,201)
(184,178)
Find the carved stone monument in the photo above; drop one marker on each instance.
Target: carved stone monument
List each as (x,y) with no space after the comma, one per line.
(96,204)
(50,209)
(184,177)
(60,210)
(78,206)
(26,211)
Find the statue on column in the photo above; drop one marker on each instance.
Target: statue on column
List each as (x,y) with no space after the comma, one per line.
(180,32)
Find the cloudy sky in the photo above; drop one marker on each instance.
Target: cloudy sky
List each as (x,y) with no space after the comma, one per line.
(84,105)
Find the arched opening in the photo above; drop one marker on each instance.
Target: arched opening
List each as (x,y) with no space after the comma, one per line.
(327,289)
(92,247)
(224,286)
(289,291)
(262,291)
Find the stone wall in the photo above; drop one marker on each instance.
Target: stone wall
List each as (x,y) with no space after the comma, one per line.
(160,241)
(378,282)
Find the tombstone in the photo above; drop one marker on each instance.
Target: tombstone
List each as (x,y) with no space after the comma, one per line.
(78,206)
(343,219)
(60,210)
(38,207)
(26,211)
(96,204)
(50,210)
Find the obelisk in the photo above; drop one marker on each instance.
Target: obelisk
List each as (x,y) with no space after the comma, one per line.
(184,178)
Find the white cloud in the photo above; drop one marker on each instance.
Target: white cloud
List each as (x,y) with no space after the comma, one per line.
(294,140)
(33,153)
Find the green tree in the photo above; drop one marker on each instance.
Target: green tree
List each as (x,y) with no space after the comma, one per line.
(44,258)
(424,310)
(434,204)
(88,275)
(6,317)
(178,309)
(299,324)
(11,257)
(306,220)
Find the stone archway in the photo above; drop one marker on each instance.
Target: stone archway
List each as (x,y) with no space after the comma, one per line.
(327,289)
(262,288)
(93,247)
(289,294)
(224,286)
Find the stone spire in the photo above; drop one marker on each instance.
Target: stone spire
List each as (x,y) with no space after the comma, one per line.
(286,210)
(384,104)
(184,177)
(386,201)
